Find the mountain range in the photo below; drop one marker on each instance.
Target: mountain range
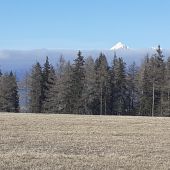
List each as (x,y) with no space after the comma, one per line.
(21,61)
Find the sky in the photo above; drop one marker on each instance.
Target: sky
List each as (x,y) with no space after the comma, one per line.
(83,24)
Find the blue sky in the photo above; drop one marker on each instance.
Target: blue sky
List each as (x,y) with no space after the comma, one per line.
(83,24)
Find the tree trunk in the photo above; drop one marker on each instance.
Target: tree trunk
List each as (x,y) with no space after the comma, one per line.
(105,105)
(153,98)
(101,102)
(161,102)
(168,100)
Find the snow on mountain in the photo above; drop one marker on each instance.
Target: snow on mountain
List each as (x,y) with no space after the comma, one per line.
(119,46)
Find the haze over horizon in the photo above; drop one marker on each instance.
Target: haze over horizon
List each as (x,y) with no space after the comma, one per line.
(86,24)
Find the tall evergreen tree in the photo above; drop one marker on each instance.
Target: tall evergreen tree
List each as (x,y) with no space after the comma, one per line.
(120,87)
(133,96)
(166,90)
(45,82)
(146,95)
(153,83)
(65,90)
(102,85)
(35,103)
(14,99)
(89,91)
(48,103)
(57,96)
(77,84)
(113,85)
(159,80)
(9,98)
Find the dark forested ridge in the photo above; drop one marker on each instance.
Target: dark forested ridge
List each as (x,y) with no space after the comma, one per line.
(91,86)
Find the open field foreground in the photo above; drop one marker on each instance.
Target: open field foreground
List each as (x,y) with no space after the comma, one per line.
(36,141)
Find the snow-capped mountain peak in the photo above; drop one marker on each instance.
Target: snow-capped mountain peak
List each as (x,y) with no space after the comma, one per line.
(118,46)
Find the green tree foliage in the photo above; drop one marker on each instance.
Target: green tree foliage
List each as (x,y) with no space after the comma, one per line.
(133,94)
(93,87)
(65,90)
(159,81)
(166,91)
(153,85)
(57,90)
(9,98)
(77,82)
(35,93)
(48,102)
(89,91)
(146,89)
(46,71)
(120,84)
(102,84)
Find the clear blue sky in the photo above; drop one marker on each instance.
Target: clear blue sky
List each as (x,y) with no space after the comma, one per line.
(83,24)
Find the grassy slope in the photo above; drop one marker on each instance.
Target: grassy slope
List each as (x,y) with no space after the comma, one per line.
(30,141)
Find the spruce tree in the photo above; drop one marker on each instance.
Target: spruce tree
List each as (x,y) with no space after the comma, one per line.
(45,83)
(121,87)
(166,90)
(48,103)
(14,99)
(57,89)
(102,85)
(159,80)
(9,98)
(77,84)
(133,96)
(146,95)
(113,85)
(35,93)
(65,90)
(89,91)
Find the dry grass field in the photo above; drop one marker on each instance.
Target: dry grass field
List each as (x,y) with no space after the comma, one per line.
(37,141)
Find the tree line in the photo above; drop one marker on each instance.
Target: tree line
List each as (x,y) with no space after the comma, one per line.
(9,98)
(89,86)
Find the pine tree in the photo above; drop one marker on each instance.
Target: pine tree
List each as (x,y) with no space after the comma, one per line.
(120,87)
(146,96)
(9,99)
(77,84)
(133,96)
(14,97)
(1,92)
(102,85)
(160,79)
(65,90)
(153,83)
(49,103)
(166,90)
(56,91)
(113,85)
(35,103)
(45,84)
(89,91)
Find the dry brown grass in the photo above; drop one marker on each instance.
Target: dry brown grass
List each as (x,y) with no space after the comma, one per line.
(34,141)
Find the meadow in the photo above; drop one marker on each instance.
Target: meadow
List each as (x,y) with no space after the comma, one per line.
(39,141)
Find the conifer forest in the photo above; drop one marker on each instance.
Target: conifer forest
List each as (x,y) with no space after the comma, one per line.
(91,87)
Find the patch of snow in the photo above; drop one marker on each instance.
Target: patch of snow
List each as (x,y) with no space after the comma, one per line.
(118,46)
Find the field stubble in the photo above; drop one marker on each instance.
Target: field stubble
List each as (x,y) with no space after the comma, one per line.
(37,141)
